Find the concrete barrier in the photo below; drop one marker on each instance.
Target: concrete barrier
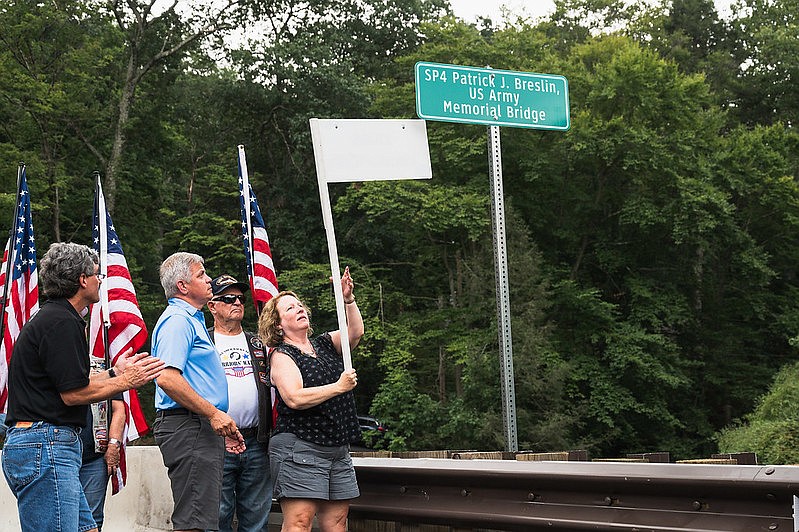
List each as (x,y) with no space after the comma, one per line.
(144,505)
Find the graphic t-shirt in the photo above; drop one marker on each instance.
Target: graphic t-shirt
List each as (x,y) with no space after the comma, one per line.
(242,390)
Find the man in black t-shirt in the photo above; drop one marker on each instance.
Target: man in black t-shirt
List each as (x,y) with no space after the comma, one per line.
(48,389)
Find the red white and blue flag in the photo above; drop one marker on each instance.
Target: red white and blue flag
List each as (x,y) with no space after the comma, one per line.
(20,287)
(117,313)
(260,268)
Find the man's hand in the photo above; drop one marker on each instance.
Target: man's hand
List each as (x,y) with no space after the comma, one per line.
(224,425)
(140,368)
(112,458)
(123,361)
(235,444)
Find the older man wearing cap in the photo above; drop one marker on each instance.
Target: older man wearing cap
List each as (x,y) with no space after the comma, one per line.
(246,484)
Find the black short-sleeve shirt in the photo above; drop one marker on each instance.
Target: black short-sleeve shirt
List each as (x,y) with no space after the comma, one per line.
(50,356)
(331,423)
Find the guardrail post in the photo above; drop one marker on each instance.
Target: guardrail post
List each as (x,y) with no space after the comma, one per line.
(795,513)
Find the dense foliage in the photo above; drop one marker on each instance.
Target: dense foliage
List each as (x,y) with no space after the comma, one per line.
(772,429)
(652,248)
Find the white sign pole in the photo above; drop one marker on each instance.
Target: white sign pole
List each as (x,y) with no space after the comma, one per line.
(327,216)
(332,249)
(363,150)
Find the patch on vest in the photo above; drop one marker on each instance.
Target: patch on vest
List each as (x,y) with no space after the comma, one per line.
(256,342)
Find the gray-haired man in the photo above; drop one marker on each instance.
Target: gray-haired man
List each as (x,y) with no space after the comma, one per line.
(191,397)
(49,387)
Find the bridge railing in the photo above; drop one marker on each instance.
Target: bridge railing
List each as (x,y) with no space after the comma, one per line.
(546,495)
(438,495)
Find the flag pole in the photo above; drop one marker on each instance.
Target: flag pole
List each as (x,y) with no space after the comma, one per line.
(103,265)
(245,188)
(102,228)
(11,248)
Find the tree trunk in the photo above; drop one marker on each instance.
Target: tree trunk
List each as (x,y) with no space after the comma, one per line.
(55,211)
(138,67)
(442,374)
(442,364)
(125,102)
(699,268)
(457,302)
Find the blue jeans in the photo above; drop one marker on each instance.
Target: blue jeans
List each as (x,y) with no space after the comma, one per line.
(41,465)
(246,489)
(94,479)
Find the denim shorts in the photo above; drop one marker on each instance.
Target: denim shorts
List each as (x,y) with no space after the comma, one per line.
(41,464)
(193,455)
(305,470)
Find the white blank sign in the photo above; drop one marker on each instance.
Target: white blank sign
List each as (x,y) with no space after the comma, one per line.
(370,150)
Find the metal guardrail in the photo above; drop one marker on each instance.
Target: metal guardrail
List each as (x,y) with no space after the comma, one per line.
(573,496)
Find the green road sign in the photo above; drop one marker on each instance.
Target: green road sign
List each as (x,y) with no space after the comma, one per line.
(453,93)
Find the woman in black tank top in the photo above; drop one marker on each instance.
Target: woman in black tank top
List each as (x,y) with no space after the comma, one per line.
(309,448)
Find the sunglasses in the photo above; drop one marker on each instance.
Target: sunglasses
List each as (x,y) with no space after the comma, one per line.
(230,298)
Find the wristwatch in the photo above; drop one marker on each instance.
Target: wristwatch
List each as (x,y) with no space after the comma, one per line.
(114,441)
(111,372)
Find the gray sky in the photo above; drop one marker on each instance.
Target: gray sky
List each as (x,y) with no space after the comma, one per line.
(468,10)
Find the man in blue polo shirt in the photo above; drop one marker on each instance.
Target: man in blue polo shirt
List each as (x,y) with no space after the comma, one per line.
(191,398)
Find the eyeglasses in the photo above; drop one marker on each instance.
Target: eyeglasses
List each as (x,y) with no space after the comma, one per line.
(99,275)
(230,298)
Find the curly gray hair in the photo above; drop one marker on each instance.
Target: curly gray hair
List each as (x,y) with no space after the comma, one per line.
(177,267)
(61,267)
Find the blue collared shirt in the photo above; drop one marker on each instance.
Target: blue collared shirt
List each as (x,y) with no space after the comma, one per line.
(181,340)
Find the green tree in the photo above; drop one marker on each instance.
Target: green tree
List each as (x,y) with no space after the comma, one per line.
(155,41)
(691,33)
(652,247)
(768,61)
(47,49)
(771,430)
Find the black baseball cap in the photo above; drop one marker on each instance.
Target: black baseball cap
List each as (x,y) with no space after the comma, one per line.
(223,282)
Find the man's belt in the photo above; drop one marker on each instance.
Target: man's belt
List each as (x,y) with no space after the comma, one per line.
(249,432)
(176,412)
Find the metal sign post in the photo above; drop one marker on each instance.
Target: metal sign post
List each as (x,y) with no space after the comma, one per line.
(503,293)
(472,95)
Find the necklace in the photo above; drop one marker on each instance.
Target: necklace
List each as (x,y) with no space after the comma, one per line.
(311,353)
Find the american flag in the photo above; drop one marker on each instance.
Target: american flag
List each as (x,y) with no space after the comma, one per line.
(21,288)
(123,319)
(260,269)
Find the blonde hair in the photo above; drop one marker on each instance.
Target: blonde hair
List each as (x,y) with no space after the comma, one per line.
(269,320)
